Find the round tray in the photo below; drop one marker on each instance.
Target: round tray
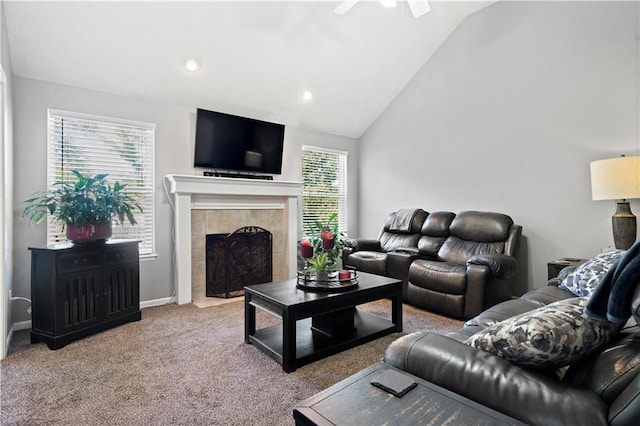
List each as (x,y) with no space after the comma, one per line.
(309,281)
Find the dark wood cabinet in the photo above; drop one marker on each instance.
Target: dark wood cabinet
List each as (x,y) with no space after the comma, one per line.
(81,289)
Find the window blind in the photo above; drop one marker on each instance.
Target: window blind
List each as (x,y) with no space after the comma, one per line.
(120,148)
(324,176)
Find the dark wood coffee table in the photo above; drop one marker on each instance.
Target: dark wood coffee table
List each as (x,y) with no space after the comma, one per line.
(317,324)
(355,401)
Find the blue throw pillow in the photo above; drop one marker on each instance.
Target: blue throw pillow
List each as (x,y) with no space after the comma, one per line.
(585,278)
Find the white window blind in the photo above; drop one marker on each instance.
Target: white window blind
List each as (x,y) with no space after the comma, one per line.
(120,148)
(324,176)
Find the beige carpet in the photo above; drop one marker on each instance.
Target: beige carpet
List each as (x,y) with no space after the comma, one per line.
(180,365)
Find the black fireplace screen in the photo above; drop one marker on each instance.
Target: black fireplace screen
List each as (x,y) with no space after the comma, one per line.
(234,260)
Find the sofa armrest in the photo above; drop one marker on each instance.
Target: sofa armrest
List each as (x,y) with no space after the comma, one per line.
(501,265)
(564,272)
(532,397)
(406,251)
(399,260)
(363,245)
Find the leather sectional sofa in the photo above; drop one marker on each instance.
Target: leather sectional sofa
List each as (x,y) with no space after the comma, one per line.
(452,264)
(601,389)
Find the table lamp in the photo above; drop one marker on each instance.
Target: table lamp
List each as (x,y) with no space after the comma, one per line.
(618,179)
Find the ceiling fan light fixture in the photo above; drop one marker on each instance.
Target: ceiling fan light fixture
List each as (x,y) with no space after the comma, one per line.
(388,3)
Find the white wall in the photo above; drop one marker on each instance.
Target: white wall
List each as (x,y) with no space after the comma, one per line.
(6,168)
(175,130)
(506,117)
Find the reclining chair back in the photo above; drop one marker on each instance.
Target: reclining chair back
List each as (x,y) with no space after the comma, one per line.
(473,233)
(401,229)
(435,231)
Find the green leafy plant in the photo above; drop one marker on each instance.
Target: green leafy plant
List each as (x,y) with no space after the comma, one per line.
(88,200)
(320,262)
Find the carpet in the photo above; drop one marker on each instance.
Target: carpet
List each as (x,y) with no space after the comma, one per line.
(179,365)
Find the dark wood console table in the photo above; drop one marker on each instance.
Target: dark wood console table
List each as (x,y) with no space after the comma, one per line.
(316,325)
(81,289)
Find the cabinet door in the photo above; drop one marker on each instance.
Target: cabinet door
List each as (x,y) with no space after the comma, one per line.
(78,300)
(121,290)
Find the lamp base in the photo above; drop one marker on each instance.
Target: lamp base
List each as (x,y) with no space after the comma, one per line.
(624,226)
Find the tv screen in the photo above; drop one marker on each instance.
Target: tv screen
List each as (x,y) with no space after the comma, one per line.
(229,142)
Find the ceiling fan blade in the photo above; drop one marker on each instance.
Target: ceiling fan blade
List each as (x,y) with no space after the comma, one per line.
(419,7)
(345,6)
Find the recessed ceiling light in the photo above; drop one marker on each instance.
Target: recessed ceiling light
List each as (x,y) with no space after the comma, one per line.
(306,96)
(191,64)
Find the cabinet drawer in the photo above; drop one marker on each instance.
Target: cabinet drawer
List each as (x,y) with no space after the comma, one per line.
(119,255)
(77,262)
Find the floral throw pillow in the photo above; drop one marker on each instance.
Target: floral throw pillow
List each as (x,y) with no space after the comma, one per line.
(549,337)
(584,279)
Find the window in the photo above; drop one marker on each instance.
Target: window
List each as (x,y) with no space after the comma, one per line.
(122,149)
(324,177)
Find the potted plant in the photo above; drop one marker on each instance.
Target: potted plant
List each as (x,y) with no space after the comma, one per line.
(86,207)
(321,250)
(327,237)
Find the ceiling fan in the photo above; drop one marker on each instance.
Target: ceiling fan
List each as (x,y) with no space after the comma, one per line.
(418,7)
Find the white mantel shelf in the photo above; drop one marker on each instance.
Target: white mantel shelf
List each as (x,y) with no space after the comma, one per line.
(197,192)
(204,185)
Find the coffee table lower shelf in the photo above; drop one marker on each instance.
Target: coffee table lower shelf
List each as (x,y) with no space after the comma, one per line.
(312,346)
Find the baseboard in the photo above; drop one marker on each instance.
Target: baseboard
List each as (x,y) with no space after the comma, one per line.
(23,325)
(156,302)
(7,343)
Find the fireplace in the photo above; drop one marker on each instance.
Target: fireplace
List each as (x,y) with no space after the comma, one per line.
(208,205)
(235,260)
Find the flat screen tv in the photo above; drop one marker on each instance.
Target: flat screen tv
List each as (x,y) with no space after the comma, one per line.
(231,143)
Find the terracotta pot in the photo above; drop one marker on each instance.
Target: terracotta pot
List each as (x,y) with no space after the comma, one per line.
(89,232)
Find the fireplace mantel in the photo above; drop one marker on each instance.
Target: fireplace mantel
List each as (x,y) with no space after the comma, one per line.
(199,192)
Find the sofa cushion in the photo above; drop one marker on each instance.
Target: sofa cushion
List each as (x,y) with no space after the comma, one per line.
(444,277)
(435,230)
(459,251)
(548,337)
(481,226)
(546,295)
(390,241)
(415,218)
(502,311)
(584,279)
(369,261)
(437,224)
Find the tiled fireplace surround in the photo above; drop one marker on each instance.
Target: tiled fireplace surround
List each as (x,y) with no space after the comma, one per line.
(211,205)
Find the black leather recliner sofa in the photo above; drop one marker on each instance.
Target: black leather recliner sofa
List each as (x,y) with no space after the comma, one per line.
(453,264)
(601,389)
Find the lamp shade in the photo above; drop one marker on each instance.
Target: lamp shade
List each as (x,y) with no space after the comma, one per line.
(615,178)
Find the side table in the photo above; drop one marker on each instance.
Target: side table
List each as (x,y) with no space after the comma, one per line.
(555,266)
(355,401)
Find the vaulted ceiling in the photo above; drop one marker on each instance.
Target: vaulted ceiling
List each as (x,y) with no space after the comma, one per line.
(256,57)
